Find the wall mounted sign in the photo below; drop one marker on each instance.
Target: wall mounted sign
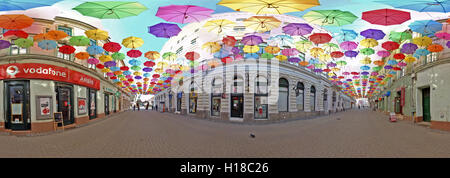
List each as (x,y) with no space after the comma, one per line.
(44,107)
(82,106)
(47,72)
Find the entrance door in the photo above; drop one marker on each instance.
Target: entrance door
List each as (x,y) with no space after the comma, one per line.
(178,104)
(237,106)
(92,104)
(64,97)
(426,104)
(17,105)
(106,104)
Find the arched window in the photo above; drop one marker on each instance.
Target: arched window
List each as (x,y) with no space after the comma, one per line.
(238,85)
(312,102)
(283,96)
(300,95)
(261,84)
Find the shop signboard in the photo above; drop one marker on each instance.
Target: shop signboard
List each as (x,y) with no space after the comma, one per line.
(47,72)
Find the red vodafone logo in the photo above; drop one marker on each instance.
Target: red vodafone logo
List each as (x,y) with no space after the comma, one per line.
(12,71)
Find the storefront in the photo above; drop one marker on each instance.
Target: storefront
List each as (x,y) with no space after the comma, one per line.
(179,99)
(92,101)
(17,94)
(216,96)
(237,98)
(109,100)
(261,98)
(64,102)
(193,97)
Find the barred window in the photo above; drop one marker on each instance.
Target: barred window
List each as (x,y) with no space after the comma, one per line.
(67,30)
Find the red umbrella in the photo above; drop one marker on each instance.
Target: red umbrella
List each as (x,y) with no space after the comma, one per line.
(386,17)
(112,47)
(326,70)
(16,33)
(66,49)
(396,68)
(390,45)
(336,54)
(149,64)
(355,73)
(155,75)
(134,53)
(229,41)
(320,38)
(100,66)
(192,56)
(113,77)
(227,60)
(399,56)
(124,68)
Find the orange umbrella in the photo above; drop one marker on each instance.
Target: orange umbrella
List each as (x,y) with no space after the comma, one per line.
(304,63)
(152,55)
(15,21)
(435,48)
(82,55)
(272,49)
(56,35)
(40,37)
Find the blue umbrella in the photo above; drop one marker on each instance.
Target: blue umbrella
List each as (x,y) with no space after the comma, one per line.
(392,62)
(94,50)
(114,68)
(147,75)
(365,68)
(127,73)
(222,53)
(282,40)
(421,6)
(313,61)
(425,27)
(135,62)
(7,5)
(251,56)
(421,52)
(346,35)
(47,44)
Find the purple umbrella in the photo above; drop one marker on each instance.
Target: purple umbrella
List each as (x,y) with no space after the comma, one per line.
(137,77)
(164,30)
(348,45)
(374,73)
(147,69)
(4,44)
(235,50)
(409,48)
(184,13)
(290,52)
(297,29)
(331,64)
(110,64)
(373,33)
(351,53)
(252,40)
(383,53)
(448,44)
(388,67)
(294,59)
(318,70)
(364,73)
(349,80)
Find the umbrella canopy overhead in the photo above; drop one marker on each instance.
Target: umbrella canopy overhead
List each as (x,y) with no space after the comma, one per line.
(218,26)
(15,21)
(164,30)
(330,17)
(425,27)
(132,42)
(297,29)
(97,34)
(421,6)
(183,13)
(7,5)
(262,23)
(386,17)
(269,6)
(346,35)
(110,9)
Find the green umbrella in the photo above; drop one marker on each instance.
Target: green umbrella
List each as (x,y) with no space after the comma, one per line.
(193,63)
(330,47)
(136,68)
(169,56)
(367,51)
(267,56)
(376,68)
(23,42)
(79,41)
(341,63)
(330,17)
(110,9)
(118,56)
(399,36)
(320,65)
(365,76)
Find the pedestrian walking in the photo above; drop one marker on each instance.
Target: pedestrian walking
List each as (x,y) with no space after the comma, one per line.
(146,108)
(138,106)
(134,107)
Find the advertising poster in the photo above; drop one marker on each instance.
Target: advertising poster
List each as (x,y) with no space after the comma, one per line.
(44,105)
(82,106)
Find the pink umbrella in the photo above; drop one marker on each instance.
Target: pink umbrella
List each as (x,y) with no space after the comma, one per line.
(348,45)
(443,35)
(93,61)
(383,53)
(184,13)
(203,67)
(290,52)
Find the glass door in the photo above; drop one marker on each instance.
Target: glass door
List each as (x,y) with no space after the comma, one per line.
(64,97)
(92,104)
(106,104)
(426,105)
(17,105)
(237,106)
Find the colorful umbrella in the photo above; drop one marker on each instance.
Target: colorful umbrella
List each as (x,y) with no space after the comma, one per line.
(7,5)
(110,9)
(251,49)
(297,29)
(218,26)
(272,49)
(269,6)
(330,17)
(386,17)
(421,6)
(290,52)
(320,38)
(118,56)
(373,33)
(348,45)
(15,34)
(399,36)
(105,58)
(252,40)
(66,49)
(47,44)
(211,47)
(229,41)
(164,30)
(346,35)
(425,27)
(408,48)
(132,42)
(15,21)
(134,53)
(435,48)
(94,50)
(390,45)
(422,41)
(152,55)
(383,53)
(282,40)
(79,41)
(192,56)
(262,23)
(97,34)
(443,35)
(23,42)
(183,13)
(4,44)
(369,43)
(112,47)
(82,55)
(56,35)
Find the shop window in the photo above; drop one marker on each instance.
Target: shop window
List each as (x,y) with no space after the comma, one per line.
(16,50)
(193,96)
(312,101)
(300,95)
(283,96)
(216,96)
(67,30)
(261,98)
(325,99)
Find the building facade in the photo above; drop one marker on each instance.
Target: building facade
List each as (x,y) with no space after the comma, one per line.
(38,85)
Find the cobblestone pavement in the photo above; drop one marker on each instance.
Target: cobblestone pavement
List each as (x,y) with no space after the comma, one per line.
(151,134)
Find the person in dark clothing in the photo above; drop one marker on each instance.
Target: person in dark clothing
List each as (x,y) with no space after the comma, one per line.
(138,106)
(134,107)
(156,107)
(146,107)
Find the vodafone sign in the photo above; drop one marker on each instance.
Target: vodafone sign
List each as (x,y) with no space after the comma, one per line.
(47,72)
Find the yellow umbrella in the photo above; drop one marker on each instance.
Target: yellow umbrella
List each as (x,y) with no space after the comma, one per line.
(97,34)
(272,49)
(158,70)
(104,70)
(335,69)
(303,45)
(217,26)
(211,47)
(422,41)
(162,65)
(262,23)
(137,73)
(132,42)
(251,49)
(324,57)
(369,43)
(316,52)
(269,6)
(281,57)
(331,74)
(366,60)
(152,55)
(105,58)
(410,59)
